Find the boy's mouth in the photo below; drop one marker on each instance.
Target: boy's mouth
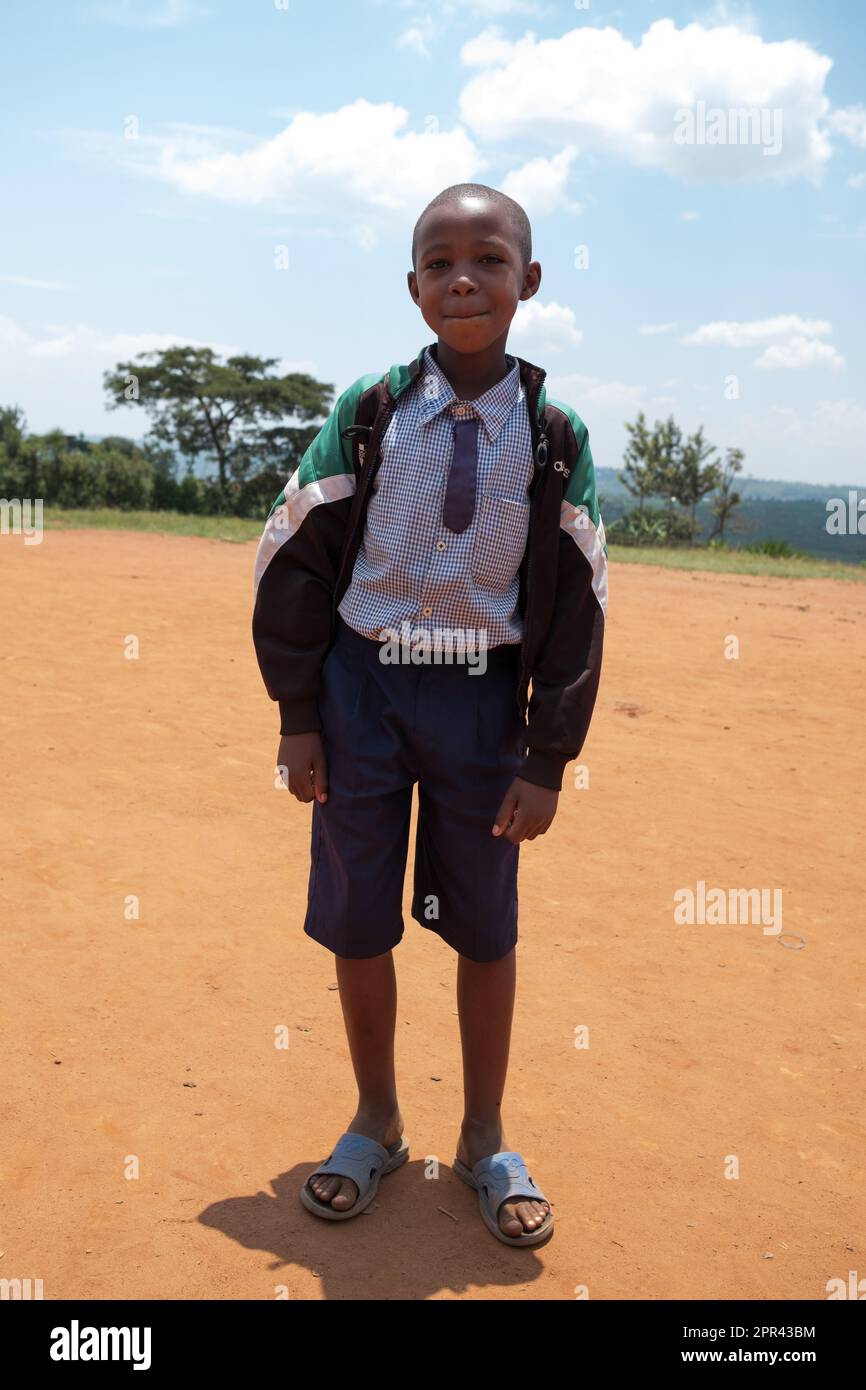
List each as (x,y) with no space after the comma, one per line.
(482,313)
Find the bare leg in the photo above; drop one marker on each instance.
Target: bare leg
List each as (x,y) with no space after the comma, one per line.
(368,994)
(485,1001)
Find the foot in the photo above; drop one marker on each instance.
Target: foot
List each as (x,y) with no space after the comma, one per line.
(479,1141)
(386,1129)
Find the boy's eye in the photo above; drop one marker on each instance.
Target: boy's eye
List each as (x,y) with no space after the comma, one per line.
(489,256)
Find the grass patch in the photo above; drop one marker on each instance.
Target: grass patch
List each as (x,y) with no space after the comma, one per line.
(738,562)
(221,528)
(242,529)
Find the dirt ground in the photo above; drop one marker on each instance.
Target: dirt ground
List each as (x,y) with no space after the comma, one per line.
(151,1041)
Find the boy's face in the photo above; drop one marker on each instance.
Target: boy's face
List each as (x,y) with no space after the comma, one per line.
(470,277)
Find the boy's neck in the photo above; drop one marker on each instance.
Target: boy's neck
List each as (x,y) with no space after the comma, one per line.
(470,374)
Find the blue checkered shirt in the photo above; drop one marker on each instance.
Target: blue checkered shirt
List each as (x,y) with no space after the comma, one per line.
(410,568)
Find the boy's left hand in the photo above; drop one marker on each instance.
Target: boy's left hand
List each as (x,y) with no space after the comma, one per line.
(526,811)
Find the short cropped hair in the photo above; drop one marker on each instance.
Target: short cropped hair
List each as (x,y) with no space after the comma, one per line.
(517,220)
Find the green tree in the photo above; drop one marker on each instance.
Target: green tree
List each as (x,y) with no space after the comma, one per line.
(691,477)
(639,475)
(232,413)
(667,449)
(17,463)
(726,497)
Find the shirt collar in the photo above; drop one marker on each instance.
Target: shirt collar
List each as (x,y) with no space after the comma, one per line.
(494,407)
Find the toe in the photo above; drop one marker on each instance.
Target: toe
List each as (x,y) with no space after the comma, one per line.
(509,1222)
(346,1197)
(529,1216)
(324,1187)
(517,1218)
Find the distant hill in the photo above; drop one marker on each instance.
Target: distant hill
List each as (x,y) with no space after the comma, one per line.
(799,520)
(758,489)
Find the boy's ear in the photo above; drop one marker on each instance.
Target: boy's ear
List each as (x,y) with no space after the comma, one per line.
(531,280)
(412,282)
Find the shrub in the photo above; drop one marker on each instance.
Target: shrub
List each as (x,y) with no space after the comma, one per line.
(70,479)
(189,495)
(128,480)
(652,526)
(777,549)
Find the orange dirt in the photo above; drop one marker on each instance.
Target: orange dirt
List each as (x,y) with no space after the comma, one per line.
(153,1040)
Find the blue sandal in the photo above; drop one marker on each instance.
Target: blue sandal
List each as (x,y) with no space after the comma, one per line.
(501,1178)
(364,1161)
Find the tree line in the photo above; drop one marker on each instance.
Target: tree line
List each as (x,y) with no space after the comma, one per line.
(218,443)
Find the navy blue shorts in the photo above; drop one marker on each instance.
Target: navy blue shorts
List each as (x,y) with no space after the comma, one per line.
(461,737)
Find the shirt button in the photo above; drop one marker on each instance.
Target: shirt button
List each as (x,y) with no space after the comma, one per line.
(440,545)
(426,612)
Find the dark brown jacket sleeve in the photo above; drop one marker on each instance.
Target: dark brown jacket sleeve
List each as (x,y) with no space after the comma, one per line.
(566,672)
(296,571)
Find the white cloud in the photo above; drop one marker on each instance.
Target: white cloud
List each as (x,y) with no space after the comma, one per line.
(792,342)
(799,352)
(690,216)
(487,48)
(359,156)
(649,328)
(626,100)
(538,328)
(748,334)
(418,36)
(539,185)
(857,181)
(850,121)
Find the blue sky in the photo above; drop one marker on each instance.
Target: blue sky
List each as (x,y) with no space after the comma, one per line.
(157,157)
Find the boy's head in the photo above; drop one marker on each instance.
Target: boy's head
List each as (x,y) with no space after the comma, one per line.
(472,264)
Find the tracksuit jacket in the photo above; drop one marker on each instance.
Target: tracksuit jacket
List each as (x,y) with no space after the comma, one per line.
(313,531)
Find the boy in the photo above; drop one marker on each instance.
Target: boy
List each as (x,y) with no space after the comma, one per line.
(449,495)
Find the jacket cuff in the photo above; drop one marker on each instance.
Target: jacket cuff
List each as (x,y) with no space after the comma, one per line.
(299,716)
(544,769)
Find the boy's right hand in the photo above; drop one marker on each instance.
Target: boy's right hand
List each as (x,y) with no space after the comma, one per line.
(302,766)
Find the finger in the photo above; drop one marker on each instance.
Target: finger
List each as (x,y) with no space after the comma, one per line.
(518,827)
(301,785)
(506,810)
(320,778)
(539,828)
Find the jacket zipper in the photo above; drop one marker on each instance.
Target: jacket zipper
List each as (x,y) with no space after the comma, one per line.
(540,455)
(349,433)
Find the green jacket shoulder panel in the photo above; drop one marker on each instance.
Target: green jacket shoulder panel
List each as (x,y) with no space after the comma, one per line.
(330,453)
(399,375)
(580,490)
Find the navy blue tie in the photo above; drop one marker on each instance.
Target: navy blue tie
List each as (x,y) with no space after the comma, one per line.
(459,505)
